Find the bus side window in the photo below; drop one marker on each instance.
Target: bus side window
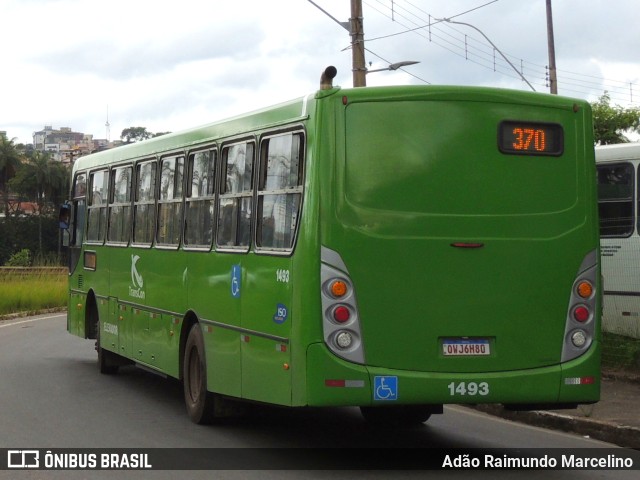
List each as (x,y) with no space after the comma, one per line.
(170,201)
(120,206)
(144,218)
(97,212)
(235,202)
(200,202)
(615,199)
(79,210)
(280,190)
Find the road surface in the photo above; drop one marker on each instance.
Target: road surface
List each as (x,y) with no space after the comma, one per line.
(52,396)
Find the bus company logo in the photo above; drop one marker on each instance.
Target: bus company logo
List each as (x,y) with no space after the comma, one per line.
(137,282)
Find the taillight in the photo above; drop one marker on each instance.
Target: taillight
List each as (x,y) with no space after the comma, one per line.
(581,313)
(341,322)
(341,314)
(580,327)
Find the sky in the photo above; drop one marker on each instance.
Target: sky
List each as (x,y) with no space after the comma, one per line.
(171,65)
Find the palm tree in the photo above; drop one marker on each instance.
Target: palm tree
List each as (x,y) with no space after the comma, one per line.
(44,180)
(10,161)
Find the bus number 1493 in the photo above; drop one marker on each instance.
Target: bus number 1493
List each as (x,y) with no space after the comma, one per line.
(282,275)
(468,388)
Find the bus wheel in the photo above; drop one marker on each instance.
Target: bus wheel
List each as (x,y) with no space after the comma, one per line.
(397,415)
(107,361)
(200,403)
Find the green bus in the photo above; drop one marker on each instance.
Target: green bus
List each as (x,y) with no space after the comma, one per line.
(392,248)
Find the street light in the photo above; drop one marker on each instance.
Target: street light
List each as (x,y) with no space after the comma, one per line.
(393,66)
(492,44)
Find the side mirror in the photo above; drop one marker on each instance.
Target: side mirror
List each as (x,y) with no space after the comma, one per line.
(65,216)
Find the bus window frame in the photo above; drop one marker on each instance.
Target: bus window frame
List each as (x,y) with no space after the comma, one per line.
(245,194)
(175,155)
(135,202)
(635,179)
(213,150)
(90,205)
(76,199)
(112,203)
(262,192)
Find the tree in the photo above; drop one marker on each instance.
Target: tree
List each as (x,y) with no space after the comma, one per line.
(611,122)
(134,134)
(10,161)
(43,180)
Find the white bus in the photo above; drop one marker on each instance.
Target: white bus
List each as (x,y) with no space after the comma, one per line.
(618,204)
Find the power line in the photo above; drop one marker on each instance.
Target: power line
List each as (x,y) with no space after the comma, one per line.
(480,53)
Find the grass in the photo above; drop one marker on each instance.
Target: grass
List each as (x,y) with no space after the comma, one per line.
(620,353)
(21,292)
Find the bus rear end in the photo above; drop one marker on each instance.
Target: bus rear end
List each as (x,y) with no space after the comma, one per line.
(459,251)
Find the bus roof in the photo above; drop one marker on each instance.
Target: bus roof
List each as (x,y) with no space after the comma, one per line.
(291,111)
(620,151)
(298,110)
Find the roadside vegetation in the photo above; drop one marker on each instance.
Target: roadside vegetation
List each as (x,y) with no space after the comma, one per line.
(620,353)
(32,290)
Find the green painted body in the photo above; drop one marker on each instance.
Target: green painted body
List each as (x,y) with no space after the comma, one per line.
(393,177)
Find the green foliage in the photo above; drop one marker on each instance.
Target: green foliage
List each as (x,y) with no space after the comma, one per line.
(10,161)
(32,293)
(135,134)
(42,180)
(17,233)
(611,122)
(619,352)
(20,259)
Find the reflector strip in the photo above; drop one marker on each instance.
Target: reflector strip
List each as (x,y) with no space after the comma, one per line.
(281,347)
(467,245)
(344,383)
(245,338)
(580,381)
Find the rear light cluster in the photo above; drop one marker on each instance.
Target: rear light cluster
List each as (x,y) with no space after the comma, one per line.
(341,324)
(580,324)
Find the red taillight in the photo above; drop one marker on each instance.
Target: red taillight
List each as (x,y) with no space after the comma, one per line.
(581,314)
(341,314)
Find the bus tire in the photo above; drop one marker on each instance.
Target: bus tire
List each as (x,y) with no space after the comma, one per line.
(200,402)
(397,415)
(107,361)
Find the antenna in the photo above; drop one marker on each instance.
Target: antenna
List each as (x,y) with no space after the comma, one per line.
(108,126)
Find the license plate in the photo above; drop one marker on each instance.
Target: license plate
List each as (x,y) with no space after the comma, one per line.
(466,347)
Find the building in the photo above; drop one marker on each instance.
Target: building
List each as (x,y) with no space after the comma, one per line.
(65,145)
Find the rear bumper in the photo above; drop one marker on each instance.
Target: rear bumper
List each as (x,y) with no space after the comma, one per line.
(332,381)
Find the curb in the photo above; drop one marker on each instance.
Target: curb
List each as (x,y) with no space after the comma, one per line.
(621,435)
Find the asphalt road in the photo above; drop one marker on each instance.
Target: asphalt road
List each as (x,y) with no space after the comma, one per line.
(52,396)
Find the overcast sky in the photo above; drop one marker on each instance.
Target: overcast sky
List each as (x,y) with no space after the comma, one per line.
(170,65)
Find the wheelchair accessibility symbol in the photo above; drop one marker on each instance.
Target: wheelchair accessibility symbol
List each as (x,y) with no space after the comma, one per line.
(385,388)
(236,277)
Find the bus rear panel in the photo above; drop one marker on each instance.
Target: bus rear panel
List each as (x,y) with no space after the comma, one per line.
(464,227)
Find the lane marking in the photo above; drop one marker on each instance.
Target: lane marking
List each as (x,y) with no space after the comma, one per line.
(11,323)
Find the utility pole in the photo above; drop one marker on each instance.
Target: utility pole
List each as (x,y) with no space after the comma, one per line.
(357,44)
(553,79)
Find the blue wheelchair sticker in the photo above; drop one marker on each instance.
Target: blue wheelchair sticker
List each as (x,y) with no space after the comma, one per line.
(385,388)
(236,276)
